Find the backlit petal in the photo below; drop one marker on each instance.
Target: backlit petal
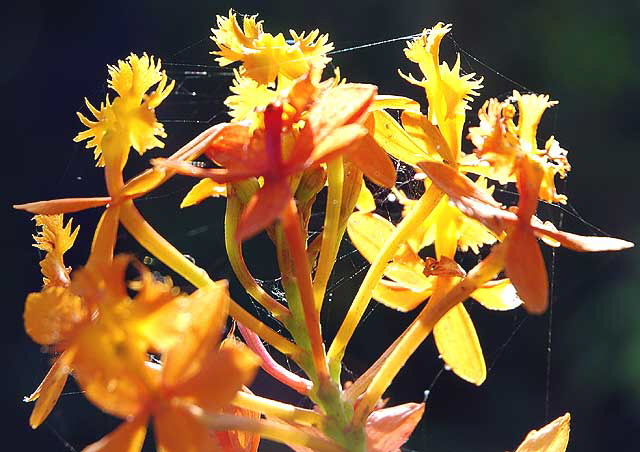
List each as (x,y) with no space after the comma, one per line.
(365,202)
(263,208)
(177,430)
(128,437)
(389,428)
(373,161)
(459,346)
(68,205)
(51,315)
(207,315)
(206,188)
(394,139)
(222,374)
(553,437)
(498,295)
(424,133)
(525,267)
(398,297)
(49,390)
(368,232)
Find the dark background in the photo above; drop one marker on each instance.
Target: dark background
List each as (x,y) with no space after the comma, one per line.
(584,53)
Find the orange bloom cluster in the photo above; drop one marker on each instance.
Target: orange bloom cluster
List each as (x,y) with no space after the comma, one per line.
(144,351)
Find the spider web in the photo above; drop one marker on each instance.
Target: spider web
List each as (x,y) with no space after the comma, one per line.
(197,103)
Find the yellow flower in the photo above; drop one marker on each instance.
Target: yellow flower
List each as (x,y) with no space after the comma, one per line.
(55,240)
(128,121)
(248,95)
(467,233)
(264,56)
(448,92)
(413,280)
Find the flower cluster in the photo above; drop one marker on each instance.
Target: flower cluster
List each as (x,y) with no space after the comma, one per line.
(142,350)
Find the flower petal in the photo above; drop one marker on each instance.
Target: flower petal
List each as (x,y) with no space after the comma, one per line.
(459,346)
(581,242)
(498,295)
(394,139)
(223,373)
(177,430)
(238,440)
(398,297)
(128,437)
(345,138)
(368,232)
(468,197)
(373,161)
(394,102)
(525,267)
(142,183)
(206,188)
(422,131)
(553,437)
(49,390)
(263,208)
(67,205)
(389,428)
(207,315)
(365,202)
(50,315)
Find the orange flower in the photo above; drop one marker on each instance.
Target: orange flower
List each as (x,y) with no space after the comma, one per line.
(195,371)
(332,125)
(507,146)
(523,259)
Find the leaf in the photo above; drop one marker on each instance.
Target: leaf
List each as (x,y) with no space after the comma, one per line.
(553,437)
(459,346)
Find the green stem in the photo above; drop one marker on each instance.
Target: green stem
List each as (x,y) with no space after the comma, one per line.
(294,234)
(331,236)
(421,210)
(234,251)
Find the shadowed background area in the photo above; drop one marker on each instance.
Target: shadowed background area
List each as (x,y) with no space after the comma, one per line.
(583,53)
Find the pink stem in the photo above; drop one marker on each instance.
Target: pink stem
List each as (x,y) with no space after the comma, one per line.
(271,366)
